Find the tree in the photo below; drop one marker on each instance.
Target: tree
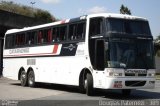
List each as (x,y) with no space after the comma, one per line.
(44,15)
(157,40)
(26,11)
(157,46)
(125,10)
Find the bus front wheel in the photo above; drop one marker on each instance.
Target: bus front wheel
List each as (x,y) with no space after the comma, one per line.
(31,79)
(23,78)
(89,85)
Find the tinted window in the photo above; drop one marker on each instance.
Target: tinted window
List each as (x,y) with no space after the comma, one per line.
(59,33)
(9,41)
(72,32)
(47,36)
(80,31)
(128,26)
(132,29)
(131,54)
(62,33)
(20,39)
(115,25)
(31,38)
(40,37)
(55,33)
(96,26)
(76,31)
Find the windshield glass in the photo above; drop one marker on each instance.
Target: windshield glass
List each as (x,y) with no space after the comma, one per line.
(128,26)
(127,53)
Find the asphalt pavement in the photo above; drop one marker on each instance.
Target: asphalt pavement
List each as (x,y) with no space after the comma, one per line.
(12,93)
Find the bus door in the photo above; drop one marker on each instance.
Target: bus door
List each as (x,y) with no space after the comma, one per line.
(96,43)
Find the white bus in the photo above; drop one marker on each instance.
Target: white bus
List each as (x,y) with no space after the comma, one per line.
(104,51)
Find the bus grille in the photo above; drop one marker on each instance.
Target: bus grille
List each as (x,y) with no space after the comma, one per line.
(135,83)
(134,74)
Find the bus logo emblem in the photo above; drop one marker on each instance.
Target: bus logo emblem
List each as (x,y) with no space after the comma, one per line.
(70,47)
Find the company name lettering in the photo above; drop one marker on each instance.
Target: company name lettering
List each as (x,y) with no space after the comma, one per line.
(19,50)
(136,71)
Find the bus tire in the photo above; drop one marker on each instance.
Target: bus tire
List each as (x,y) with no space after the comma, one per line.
(89,85)
(81,88)
(23,78)
(126,92)
(31,79)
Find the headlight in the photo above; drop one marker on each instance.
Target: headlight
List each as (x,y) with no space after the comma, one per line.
(151,74)
(117,74)
(112,74)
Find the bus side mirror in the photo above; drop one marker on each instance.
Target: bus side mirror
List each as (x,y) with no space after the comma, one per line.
(99,54)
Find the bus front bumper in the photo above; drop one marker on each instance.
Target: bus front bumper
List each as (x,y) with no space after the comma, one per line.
(126,83)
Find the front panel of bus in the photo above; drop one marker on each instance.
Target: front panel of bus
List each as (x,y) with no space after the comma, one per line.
(121,52)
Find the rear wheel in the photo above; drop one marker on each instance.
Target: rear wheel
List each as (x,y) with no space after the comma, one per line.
(126,92)
(23,78)
(31,79)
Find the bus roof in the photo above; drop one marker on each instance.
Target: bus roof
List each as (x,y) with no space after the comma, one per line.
(75,20)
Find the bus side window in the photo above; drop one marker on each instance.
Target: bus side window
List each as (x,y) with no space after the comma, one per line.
(40,37)
(96,26)
(14,41)
(62,33)
(72,31)
(34,37)
(28,41)
(49,36)
(31,38)
(9,41)
(20,39)
(80,31)
(44,36)
(17,40)
(55,34)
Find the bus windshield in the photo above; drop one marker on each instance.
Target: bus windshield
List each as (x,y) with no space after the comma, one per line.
(135,54)
(128,26)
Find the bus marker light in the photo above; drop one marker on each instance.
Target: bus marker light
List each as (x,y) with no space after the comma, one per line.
(151,82)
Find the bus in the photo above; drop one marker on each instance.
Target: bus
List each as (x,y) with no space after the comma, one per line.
(97,51)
